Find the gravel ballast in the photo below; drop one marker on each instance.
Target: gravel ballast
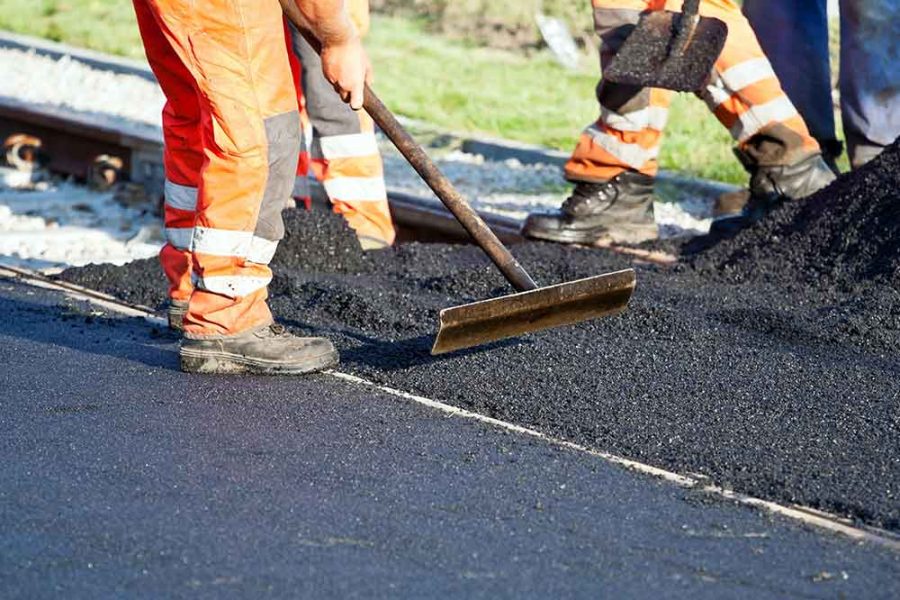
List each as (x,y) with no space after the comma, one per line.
(782,385)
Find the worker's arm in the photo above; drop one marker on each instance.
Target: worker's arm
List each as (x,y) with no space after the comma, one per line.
(344,61)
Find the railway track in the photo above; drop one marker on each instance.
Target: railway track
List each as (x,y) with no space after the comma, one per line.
(104,149)
(75,143)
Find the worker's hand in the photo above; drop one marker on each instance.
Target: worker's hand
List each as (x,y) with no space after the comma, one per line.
(346,65)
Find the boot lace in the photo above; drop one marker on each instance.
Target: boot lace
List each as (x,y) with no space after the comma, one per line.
(586,194)
(277,330)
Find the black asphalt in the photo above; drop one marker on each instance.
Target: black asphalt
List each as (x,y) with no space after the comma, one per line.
(768,362)
(122,477)
(787,394)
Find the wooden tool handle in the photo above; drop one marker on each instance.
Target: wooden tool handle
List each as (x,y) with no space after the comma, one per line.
(686,25)
(690,8)
(444,190)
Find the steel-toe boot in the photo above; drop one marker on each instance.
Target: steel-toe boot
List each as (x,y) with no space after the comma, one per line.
(619,210)
(267,350)
(770,185)
(175,311)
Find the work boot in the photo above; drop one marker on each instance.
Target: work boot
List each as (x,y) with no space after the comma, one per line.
(619,210)
(175,311)
(266,350)
(770,185)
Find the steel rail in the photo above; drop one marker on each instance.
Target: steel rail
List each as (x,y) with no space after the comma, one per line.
(73,140)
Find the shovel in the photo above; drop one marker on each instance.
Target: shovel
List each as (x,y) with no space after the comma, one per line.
(532,308)
(674,51)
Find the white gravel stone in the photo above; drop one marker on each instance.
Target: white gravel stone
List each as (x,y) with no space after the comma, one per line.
(68,225)
(66,82)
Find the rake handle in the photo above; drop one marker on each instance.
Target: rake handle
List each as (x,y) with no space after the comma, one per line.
(453,200)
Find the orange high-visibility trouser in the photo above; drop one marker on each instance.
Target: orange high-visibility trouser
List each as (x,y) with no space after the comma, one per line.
(744,94)
(232,140)
(341,147)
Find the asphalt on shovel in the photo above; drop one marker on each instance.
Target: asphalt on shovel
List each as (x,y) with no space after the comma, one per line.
(532,308)
(674,51)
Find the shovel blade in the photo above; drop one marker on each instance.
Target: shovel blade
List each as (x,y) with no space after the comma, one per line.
(544,308)
(649,57)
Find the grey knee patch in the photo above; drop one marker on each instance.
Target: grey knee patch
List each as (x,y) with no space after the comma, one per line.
(283,138)
(613,25)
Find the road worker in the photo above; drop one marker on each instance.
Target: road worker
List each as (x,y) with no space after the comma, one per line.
(339,146)
(232,141)
(795,37)
(615,161)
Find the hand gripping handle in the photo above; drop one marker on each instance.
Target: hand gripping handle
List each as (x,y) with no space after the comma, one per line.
(444,190)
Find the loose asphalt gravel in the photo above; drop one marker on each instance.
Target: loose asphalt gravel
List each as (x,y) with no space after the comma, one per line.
(768,363)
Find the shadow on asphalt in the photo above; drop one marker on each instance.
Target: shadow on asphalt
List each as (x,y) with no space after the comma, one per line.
(60,325)
(413,352)
(396,355)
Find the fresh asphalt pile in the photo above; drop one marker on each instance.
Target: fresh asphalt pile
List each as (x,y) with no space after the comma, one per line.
(846,236)
(768,363)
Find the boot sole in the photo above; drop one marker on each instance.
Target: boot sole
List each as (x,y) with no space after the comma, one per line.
(625,235)
(223,363)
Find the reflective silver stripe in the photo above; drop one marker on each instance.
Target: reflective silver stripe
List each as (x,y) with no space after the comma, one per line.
(747,73)
(715,94)
(632,155)
(749,123)
(261,250)
(221,242)
(356,188)
(652,117)
(307,134)
(180,237)
(181,197)
(348,146)
(231,286)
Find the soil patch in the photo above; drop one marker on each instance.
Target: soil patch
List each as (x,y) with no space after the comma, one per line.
(770,367)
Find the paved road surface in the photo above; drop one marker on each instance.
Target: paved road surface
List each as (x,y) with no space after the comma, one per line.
(123,477)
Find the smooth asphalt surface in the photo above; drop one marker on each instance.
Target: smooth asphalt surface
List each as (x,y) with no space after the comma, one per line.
(122,477)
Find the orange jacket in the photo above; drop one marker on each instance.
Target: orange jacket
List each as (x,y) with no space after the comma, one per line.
(359,14)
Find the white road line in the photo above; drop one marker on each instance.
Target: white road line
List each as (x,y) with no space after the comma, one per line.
(807,516)
(36,279)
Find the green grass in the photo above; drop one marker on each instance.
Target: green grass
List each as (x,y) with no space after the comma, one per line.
(526,98)
(427,77)
(104,25)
